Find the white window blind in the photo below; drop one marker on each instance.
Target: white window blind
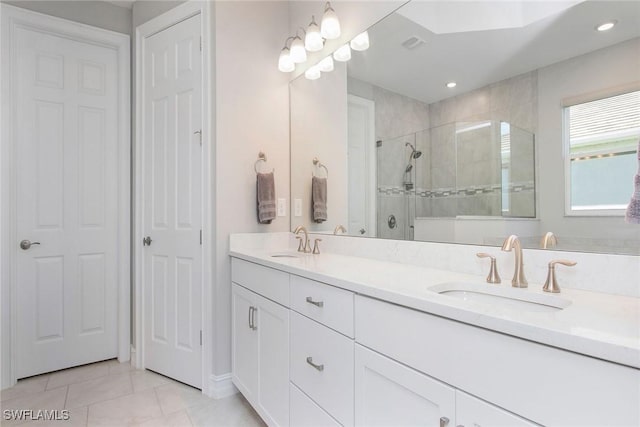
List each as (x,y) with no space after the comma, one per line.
(613,118)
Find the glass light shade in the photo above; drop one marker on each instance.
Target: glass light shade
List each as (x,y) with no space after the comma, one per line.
(360,42)
(330,26)
(343,53)
(285,63)
(313,73)
(326,65)
(298,54)
(313,41)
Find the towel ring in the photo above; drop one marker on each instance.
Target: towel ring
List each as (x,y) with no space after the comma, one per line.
(319,164)
(261,158)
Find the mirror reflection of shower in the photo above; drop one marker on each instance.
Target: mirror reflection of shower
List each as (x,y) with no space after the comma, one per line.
(408,181)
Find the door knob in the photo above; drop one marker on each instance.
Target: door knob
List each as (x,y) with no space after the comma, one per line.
(26,244)
(362,231)
(146,241)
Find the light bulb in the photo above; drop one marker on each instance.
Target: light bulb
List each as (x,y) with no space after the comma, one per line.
(312,73)
(298,54)
(451,85)
(360,42)
(343,53)
(330,26)
(285,63)
(313,41)
(326,65)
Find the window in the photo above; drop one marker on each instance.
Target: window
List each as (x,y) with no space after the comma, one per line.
(602,142)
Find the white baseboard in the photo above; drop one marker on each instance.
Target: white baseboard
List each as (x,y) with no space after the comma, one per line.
(221,386)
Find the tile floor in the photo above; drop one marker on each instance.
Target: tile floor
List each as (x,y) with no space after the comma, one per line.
(113,394)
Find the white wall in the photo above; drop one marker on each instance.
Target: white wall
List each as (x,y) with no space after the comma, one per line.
(252,103)
(597,72)
(143,11)
(97,13)
(319,129)
(354,16)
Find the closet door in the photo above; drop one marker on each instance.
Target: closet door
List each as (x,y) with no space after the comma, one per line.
(66,144)
(172,202)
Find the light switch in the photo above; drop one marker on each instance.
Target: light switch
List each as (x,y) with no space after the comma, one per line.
(298,207)
(282,207)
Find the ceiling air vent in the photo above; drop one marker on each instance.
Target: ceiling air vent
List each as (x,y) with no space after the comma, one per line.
(412,42)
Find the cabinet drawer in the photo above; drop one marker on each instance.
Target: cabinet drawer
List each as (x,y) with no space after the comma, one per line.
(270,283)
(330,382)
(326,304)
(306,413)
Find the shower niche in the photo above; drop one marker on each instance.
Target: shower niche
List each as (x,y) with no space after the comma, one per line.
(460,171)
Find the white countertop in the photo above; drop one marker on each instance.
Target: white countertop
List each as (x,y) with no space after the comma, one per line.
(599,325)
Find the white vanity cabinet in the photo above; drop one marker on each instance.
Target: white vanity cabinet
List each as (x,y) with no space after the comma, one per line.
(306,353)
(260,352)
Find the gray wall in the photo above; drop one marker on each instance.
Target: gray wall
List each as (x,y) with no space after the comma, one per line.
(97,13)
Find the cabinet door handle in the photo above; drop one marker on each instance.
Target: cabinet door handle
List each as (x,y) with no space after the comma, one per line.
(250,317)
(316,303)
(444,421)
(253,318)
(318,367)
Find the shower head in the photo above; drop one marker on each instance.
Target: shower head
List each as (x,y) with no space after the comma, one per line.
(408,168)
(414,153)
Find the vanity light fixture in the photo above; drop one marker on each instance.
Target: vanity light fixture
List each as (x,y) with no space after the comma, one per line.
(360,42)
(312,73)
(343,53)
(451,85)
(298,53)
(313,40)
(285,63)
(606,25)
(326,65)
(330,26)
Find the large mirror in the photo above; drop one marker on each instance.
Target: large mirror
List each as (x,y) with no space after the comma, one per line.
(465,122)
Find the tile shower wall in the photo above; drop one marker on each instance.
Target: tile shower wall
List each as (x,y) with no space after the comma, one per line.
(513,101)
(440,189)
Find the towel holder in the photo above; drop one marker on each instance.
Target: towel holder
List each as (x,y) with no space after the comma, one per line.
(319,164)
(261,158)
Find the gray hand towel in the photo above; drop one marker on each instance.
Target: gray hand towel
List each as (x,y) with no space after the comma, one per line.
(266,195)
(633,210)
(319,199)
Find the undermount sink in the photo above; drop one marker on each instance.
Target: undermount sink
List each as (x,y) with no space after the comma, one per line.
(501,296)
(285,255)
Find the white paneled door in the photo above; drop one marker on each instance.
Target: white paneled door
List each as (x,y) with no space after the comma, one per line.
(361,155)
(172,202)
(66,148)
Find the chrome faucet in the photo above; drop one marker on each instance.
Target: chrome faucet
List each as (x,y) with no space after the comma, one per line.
(303,246)
(339,229)
(549,240)
(513,243)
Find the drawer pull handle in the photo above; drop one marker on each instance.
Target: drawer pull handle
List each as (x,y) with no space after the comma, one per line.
(253,319)
(318,367)
(316,303)
(444,421)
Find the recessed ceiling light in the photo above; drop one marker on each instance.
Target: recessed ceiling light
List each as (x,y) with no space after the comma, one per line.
(451,85)
(606,26)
